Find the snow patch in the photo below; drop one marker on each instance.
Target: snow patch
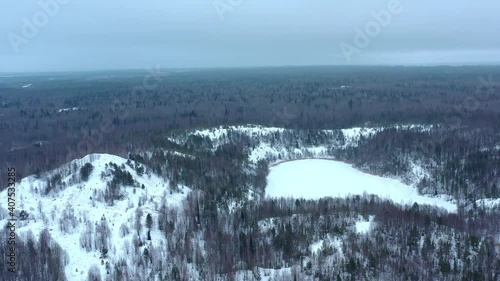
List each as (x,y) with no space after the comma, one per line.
(266,274)
(331,241)
(250,130)
(363,227)
(353,135)
(489,202)
(68,109)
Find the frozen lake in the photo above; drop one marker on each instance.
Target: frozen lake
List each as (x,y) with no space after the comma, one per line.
(317,178)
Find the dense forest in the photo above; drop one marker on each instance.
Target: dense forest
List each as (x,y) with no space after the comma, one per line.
(61,117)
(191,129)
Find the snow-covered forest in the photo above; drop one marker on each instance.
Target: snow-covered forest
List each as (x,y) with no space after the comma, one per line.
(381,180)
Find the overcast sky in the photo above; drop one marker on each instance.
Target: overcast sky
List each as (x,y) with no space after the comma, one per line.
(126,34)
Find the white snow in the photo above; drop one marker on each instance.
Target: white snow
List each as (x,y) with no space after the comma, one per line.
(250,130)
(316,246)
(416,127)
(341,87)
(266,274)
(489,202)
(77,195)
(68,109)
(418,172)
(363,227)
(177,153)
(353,135)
(332,241)
(265,151)
(317,178)
(266,224)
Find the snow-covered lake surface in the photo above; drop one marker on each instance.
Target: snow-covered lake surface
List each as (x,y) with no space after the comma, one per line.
(318,178)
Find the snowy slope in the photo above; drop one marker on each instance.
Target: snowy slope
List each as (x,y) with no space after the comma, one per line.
(46,211)
(363,227)
(317,178)
(266,149)
(250,130)
(253,130)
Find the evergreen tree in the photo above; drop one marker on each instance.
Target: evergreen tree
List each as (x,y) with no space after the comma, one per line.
(149,221)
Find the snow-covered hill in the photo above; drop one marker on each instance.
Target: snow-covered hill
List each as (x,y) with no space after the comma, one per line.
(74,209)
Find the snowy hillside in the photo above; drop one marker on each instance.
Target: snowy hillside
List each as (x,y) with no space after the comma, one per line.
(292,145)
(75,211)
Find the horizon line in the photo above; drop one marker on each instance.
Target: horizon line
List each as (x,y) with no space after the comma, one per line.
(248,67)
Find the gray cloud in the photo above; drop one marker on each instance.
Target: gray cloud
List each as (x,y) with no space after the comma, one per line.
(112,34)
